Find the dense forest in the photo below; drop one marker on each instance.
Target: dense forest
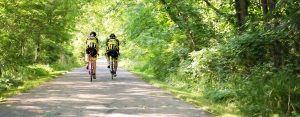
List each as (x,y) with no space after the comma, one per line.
(35,39)
(243,54)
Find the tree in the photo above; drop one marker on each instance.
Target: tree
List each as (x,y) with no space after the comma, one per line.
(241,7)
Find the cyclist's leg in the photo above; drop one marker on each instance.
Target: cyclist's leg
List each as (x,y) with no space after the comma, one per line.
(107,59)
(86,57)
(93,60)
(94,65)
(89,63)
(116,63)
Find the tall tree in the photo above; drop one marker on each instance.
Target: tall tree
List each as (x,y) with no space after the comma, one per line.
(241,8)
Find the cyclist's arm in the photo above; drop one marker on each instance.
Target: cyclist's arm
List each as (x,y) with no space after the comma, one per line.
(106,44)
(118,44)
(97,47)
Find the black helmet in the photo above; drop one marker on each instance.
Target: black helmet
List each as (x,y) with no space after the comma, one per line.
(113,36)
(93,33)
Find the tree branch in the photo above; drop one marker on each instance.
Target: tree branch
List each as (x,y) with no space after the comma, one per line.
(214,8)
(219,12)
(171,14)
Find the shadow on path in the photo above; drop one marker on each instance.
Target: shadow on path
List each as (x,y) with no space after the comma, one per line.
(73,95)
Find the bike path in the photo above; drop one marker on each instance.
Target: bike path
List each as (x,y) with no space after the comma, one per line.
(72,95)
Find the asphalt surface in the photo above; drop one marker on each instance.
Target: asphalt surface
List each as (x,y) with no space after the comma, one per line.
(73,95)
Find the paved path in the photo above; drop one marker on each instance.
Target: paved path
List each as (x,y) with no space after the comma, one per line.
(72,95)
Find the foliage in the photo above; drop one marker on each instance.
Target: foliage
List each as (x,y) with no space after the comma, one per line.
(34,34)
(241,52)
(200,46)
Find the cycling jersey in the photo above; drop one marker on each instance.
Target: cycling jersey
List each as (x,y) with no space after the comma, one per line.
(92,47)
(92,42)
(112,44)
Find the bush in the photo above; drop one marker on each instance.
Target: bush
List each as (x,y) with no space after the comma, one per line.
(266,91)
(40,70)
(244,71)
(8,81)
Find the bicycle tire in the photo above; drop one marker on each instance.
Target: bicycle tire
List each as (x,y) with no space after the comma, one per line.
(112,67)
(91,72)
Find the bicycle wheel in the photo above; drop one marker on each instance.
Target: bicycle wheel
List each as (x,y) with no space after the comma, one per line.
(91,71)
(111,67)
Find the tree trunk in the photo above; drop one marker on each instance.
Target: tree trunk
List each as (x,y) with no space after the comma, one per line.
(278,49)
(264,4)
(244,10)
(272,4)
(277,53)
(190,35)
(38,48)
(171,14)
(241,7)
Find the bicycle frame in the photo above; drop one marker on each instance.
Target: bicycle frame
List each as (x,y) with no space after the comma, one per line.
(112,67)
(91,68)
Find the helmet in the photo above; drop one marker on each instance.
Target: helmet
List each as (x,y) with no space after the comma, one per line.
(93,33)
(113,36)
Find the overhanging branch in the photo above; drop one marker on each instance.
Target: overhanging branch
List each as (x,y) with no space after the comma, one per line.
(214,8)
(219,12)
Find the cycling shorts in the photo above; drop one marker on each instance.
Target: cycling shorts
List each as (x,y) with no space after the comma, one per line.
(92,52)
(113,53)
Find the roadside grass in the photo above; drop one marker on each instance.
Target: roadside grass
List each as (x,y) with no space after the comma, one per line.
(36,76)
(193,97)
(29,84)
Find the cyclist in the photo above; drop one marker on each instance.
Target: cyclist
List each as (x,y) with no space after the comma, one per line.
(92,49)
(112,49)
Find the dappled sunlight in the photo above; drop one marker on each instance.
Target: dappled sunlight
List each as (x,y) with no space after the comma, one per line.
(29,107)
(92,96)
(96,107)
(143,91)
(64,83)
(231,57)
(74,95)
(54,90)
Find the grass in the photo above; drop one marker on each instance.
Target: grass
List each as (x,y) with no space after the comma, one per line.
(29,84)
(192,97)
(37,80)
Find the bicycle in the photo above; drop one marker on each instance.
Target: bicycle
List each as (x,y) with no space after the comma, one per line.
(91,69)
(112,67)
